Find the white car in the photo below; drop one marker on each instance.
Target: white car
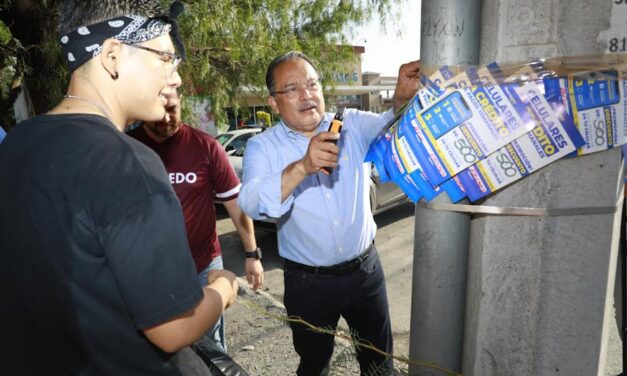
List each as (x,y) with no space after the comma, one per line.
(383,196)
(234,144)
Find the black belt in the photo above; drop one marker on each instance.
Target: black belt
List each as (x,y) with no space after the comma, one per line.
(338,269)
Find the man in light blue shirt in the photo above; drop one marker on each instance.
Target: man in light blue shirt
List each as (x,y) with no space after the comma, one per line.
(325,226)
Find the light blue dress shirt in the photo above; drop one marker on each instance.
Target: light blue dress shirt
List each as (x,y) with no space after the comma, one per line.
(327,219)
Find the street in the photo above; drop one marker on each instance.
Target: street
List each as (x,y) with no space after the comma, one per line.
(394,242)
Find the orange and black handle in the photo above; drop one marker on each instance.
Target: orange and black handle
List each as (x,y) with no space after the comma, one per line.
(335,126)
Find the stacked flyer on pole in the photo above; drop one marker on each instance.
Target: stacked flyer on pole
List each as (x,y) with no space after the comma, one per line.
(478,131)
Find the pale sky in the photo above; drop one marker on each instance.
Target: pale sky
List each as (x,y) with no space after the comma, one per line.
(385,52)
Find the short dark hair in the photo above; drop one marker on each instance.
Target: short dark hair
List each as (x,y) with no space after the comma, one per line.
(290,56)
(76,13)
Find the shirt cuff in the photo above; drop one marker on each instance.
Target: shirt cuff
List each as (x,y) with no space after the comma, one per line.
(388,115)
(230,194)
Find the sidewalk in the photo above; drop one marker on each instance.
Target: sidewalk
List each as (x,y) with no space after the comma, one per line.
(263,345)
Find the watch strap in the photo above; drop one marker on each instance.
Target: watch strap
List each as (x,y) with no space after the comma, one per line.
(256,254)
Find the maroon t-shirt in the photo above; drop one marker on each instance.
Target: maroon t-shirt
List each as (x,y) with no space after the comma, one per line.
(199,171)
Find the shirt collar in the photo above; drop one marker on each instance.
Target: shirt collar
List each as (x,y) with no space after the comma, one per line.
(289,132)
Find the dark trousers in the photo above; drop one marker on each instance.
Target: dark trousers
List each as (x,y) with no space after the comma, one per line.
(359,296)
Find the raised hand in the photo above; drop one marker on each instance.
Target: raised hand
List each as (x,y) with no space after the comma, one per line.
(407,84)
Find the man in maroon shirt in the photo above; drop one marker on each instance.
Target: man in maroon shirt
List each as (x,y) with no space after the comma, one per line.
(200,172)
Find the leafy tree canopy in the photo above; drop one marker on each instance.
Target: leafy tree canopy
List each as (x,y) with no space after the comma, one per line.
(229,44)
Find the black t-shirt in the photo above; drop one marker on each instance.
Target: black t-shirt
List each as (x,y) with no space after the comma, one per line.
(92,250)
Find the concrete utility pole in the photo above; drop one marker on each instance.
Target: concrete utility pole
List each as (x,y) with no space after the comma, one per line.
(539,298)
(449,35)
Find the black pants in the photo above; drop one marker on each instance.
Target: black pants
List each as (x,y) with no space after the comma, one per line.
(359,296)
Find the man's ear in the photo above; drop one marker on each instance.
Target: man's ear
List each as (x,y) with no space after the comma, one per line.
(273,104)
(110,56)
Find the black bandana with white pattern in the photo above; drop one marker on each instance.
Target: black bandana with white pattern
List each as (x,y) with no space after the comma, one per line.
(85,42)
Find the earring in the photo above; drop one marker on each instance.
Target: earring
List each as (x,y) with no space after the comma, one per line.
(115,76)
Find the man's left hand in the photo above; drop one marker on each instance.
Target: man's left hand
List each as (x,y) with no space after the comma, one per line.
(254,272)
(407,84)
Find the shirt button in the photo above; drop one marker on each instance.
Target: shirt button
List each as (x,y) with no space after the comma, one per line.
(328,195)
(335,223)
(340,249)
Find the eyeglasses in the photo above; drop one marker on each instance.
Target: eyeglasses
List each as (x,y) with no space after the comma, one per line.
(169,56)
(292,90)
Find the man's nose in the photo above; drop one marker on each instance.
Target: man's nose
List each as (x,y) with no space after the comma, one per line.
(303,92)
(174,80)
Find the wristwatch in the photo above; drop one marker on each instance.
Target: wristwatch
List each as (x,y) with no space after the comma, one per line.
(256,254)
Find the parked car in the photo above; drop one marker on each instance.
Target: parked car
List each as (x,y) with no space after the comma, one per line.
(383,196)
(234,144)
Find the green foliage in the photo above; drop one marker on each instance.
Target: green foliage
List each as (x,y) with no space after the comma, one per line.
(29,53)
(231,43)
(6,69)
(5,33)
(55,83)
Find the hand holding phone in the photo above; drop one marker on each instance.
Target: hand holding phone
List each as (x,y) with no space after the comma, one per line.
(336,127)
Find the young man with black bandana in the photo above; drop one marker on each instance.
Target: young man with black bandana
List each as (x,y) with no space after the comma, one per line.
(96,272)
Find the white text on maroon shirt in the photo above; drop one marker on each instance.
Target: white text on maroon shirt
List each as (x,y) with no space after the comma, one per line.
(179,177)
